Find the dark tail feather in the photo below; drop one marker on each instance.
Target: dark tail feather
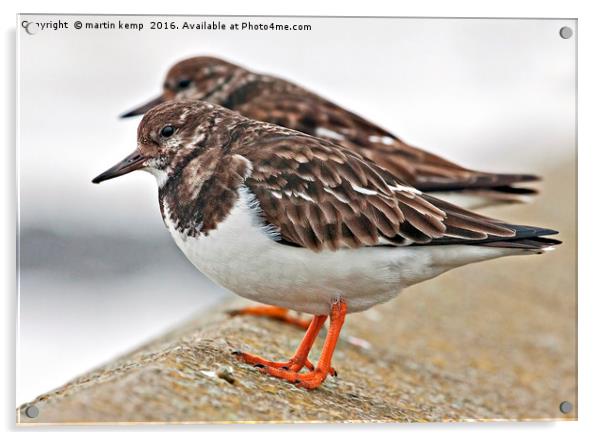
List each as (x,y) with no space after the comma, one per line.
(486,181)
(523,231)
(468,227)
(515,190)
(527,238)
(503,180)
(535,243)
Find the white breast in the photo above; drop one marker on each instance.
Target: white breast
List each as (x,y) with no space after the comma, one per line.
(242,255)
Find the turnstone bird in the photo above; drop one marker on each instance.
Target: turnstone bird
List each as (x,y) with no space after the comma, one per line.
(270,99)
(295,221)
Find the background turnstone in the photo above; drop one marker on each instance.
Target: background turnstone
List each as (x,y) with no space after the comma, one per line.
(270,99)
(296,221)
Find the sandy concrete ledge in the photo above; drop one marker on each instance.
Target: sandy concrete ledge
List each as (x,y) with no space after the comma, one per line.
(190,375)
(490,341)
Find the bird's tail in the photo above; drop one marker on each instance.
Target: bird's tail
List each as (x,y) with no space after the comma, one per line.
(537,244)
(484,189)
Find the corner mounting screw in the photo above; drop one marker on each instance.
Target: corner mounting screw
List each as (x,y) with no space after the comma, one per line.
(565,407)
(32,411)
(566,32)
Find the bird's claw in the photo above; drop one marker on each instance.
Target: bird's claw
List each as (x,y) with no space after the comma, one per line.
(292,365)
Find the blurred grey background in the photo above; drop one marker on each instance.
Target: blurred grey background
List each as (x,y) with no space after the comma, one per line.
(99,273)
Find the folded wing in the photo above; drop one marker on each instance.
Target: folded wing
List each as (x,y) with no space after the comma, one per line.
(291,106)
(321,196)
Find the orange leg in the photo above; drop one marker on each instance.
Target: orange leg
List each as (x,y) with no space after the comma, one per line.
(277,313)
(299,359)
(316,376)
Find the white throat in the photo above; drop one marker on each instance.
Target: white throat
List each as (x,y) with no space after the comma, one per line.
(160,175)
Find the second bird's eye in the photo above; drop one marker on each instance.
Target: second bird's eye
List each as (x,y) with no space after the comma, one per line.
(184,84)
(167,131)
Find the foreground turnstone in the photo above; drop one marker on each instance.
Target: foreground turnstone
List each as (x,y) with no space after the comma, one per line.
(295,221)
(270,99)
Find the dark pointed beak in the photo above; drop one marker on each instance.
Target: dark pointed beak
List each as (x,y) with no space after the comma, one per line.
(144,108)
(133,162)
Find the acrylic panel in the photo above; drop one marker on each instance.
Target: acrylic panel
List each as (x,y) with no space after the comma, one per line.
(337,168)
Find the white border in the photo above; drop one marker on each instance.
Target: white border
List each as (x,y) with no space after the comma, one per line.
(590,126)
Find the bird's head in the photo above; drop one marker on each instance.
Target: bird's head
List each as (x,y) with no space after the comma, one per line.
(168,135)
(194,78)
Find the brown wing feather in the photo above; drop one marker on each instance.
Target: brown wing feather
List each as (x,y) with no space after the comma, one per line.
(322,196)
(291,106)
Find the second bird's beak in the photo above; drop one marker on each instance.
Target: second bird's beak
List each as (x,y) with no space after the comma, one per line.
(133,162)
(144,108)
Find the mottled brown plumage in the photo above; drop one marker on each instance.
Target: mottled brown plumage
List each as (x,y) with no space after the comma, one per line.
(270,99)
(313,193)
(296,221)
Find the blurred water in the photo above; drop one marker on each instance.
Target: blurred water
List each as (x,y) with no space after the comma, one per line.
(86,298)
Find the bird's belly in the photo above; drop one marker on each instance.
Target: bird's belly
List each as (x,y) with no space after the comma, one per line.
(241,256)
(296,278)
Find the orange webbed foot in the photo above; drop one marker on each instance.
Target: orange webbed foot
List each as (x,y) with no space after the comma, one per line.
(289,370)
(310,380)
(290,365)
(293,364)
(278,313)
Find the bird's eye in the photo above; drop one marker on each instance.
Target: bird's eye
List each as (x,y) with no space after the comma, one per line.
(184,84)
(167,131)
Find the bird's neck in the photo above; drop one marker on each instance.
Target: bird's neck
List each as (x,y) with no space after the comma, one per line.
(196,198)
